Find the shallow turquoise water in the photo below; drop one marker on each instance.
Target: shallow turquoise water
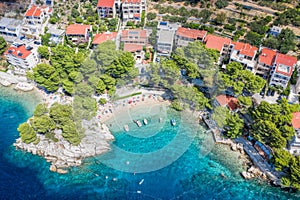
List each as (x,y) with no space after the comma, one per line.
(196,174)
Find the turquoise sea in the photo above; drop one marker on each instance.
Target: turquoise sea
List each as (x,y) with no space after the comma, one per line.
(156,161)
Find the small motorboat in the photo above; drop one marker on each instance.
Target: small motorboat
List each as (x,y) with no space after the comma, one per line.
(145,121)
(160,120)
(138,123)
(173,122)
(126,128)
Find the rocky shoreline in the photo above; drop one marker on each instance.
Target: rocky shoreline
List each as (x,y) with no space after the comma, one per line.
(252,171)
(62,154)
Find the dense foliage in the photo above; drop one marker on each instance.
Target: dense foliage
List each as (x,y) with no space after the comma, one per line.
(3,45)
(237,78)
(272,123)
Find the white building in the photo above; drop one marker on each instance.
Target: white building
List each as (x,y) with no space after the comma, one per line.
(132,10)
(294,146)
(184,36)
(282,70)
(106,8)
(10,29)
(244,53)
(165,38)
(56,34)
(22,57)
(35,21)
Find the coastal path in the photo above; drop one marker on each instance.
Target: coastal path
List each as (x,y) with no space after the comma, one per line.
(258,160)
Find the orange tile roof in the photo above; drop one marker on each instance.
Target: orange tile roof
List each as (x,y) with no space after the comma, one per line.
(190,33)
(225,100)
(100,38)
(20,52)
(286,60)
(267,56)
(141,33)
(106,3)
(296,120)
(216,42)
(245,48)
(133,47)
(34,11)
(77,29)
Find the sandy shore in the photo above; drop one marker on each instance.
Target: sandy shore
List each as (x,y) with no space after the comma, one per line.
(116,108)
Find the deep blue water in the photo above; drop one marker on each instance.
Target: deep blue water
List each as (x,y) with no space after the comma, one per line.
(194,175)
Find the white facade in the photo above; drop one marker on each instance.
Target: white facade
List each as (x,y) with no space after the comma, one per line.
(294,146)
(10,29)
(132,10)
(165,38)
(22,57)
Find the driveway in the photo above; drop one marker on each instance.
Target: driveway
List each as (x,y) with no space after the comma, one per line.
(269,99)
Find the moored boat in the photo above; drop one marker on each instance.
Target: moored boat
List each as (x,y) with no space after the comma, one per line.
(173,122)
(126,128)
(145,121)
(138,123)
(160,120)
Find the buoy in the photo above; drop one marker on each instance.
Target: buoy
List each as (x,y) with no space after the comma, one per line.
(106,177)
(127,162)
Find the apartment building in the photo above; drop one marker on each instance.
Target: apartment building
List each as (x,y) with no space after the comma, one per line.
(184,36)
(106,8)
(56,34)
(165,38)
(265,62)
(223,45)
(78,33)
(134,40)
(243,53)
(132,10)
(35,21)
(10,29)
(282,69)
(22,56)
(294,145)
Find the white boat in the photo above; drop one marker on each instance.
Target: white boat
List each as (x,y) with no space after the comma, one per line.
(160,120)
(138,123)
(141,182)
(145,121)
(126,128)
(173,122)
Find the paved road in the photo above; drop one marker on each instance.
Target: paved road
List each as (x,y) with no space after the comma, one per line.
(258,160)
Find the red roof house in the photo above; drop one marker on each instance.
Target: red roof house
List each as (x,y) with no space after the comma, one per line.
(100,38)
(216,42)
(245,49)
(78,29)
(106,3)
(285,64)
(133,47)
(267,56)
(296,120)
(226,100)
(20,52)
(191,33)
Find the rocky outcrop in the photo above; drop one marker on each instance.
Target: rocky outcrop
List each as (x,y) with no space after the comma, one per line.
(253,172)
(62,154)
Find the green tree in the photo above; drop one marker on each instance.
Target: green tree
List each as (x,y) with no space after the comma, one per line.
(105,54)
(71,134)
(220,18)
(40,110)
(254,38)
(45,39)
(43,124)
(3,45)
(44,52)
(234,126)
(61,114)
(245,101)
(46,76)
(282,159)
(220,115)
(151,16)
(27,133)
